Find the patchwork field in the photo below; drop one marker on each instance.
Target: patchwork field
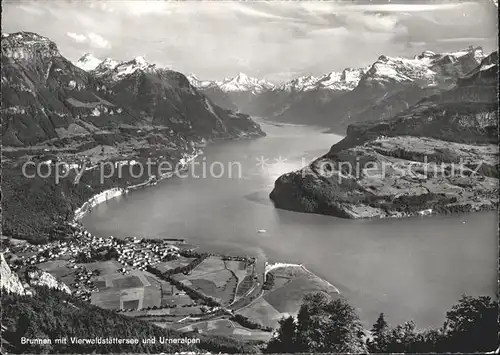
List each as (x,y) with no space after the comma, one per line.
(132,291)
(216,278)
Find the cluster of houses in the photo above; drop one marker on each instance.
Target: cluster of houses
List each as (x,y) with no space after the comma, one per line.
(83,284)
(140,254)
(134,252)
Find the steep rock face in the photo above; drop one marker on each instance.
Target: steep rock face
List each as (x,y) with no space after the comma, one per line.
(46,97)
(440,155)
(166,98)
(219,97)
(450,66)
(9,281)
(37,277)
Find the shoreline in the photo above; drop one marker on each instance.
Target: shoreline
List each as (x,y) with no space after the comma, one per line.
(87,206)
(278,265)
(115,192)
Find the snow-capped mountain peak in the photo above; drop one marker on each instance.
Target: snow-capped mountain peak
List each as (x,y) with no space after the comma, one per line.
(198,83)
(139,60)
(118,70)
(303,83)
(109,63)
(336,81)
(88,62)
(242,78)
(398,69)
(242,82)
(425,69)
(105,67)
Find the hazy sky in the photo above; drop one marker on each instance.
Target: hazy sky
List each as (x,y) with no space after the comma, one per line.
(273,39)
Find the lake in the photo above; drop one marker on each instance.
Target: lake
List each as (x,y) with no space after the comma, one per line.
(414,268)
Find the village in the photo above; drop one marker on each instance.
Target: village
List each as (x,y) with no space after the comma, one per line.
(83,247)
(169,283)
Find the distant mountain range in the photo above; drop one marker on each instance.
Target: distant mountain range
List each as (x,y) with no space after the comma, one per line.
(337,99)
(45,97)
(69,99)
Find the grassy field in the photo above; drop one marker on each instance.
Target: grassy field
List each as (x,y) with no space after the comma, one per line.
(127,282)
(58,268)
(209,265)
(239,268)
(226,327)
(262,313)
(105,267)
(135,290)
(185,311)
(172,264)
(291,284)
(213,279)
(286,297)
(245,285)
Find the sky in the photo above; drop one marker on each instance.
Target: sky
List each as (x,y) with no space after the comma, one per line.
(276,40)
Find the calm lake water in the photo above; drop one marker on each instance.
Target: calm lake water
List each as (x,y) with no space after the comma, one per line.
(414,268)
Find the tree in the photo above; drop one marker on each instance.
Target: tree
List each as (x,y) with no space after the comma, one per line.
(471,325)
(285,338)
(402,339)
(379,333)
(380,325)
(326,325)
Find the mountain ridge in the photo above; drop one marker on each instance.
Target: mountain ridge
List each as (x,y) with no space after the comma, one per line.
(335,99)
(412,157)
(47,97)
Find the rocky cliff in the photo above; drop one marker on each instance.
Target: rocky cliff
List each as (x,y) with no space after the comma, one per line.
(439,155)
(47,98)
(9,281)
(37,277)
